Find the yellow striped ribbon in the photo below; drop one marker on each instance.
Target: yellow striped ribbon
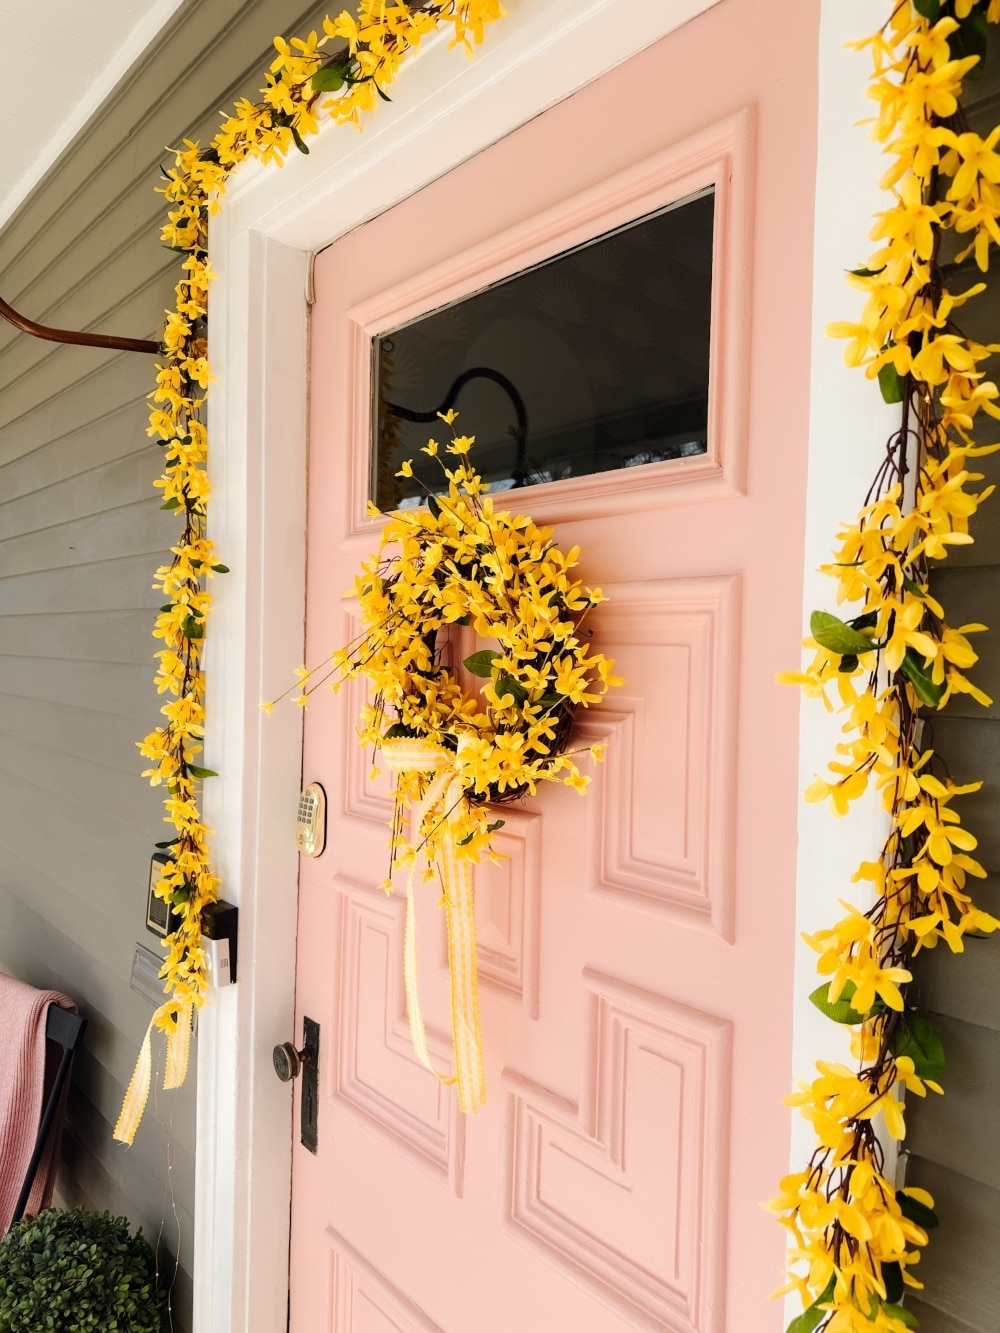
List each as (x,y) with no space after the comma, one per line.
(437,832)
(178,1052)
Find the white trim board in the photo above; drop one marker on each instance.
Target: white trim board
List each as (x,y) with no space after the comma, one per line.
(848,426)
(445,109)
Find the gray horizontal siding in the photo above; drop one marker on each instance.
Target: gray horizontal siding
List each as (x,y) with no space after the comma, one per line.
(965,988)
(959,1130)
(959,1267)
(81,534)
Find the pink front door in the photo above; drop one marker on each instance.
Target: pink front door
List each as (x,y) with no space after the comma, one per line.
(635,948)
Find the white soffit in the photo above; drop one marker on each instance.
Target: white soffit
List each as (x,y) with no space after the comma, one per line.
(61,60)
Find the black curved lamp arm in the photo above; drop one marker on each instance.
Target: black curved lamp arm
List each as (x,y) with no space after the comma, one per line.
(450,398)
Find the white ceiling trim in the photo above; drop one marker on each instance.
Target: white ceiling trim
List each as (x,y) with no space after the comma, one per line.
(82,66)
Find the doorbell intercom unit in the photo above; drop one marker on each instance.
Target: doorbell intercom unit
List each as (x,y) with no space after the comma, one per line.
(219,923)
(310,823)
(161,918)
(218,927)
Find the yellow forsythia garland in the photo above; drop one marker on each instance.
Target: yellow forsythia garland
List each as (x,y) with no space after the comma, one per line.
(304,87)
(854,1237)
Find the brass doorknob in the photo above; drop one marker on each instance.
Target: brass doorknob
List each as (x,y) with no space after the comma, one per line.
(287,1061)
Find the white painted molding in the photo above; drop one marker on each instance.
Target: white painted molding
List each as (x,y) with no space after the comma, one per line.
(445,109)
(243,1154)
(848,426)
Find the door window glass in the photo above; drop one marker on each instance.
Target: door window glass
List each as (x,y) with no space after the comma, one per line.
(595,360)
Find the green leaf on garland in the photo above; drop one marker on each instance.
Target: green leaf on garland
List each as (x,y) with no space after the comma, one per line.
(330,78)
(832,633)
(913,588)
(868,621)
(812,1317)
(481,663)
(840,1010)
(497,824)
(221,569)
(915,1211)
(892,1276)
(433,506)
(906,1317)
(509,685)
(891,383)
(865,272)
(172,503)
(918,673)
(384,96)
(172,843)
(930,9)
(848,664)
(918,1039)
(192,629)
(300,143)
(197,772)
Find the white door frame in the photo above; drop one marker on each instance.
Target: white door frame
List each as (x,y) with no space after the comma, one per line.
(445,110)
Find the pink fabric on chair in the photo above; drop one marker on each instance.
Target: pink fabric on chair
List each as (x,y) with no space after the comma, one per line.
(24,1082)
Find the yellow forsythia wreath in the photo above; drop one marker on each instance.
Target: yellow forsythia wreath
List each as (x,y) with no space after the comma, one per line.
(459,561)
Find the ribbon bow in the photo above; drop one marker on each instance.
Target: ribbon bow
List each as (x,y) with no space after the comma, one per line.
(178,1051)
(437,834)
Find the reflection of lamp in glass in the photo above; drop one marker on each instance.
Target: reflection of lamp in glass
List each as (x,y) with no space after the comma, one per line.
(520,431)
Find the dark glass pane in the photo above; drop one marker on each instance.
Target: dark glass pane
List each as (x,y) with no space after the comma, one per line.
(595,360)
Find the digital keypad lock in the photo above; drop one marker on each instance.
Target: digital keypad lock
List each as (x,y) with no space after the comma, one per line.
(310,824)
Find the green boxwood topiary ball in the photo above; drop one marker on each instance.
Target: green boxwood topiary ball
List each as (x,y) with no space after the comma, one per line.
(78,1272)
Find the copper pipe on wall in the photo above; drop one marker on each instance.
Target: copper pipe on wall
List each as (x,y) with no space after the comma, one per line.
(106,340)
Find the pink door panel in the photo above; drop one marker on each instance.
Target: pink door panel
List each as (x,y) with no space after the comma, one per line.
(635,946)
